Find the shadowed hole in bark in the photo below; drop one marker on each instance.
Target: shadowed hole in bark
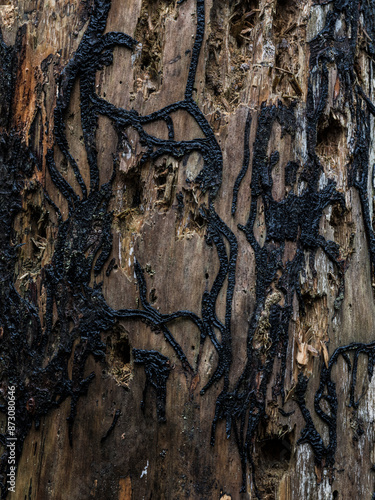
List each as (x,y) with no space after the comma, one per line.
(35,132)
(133,191)
(242,20)
(123,351)
(329,135)
(274,458)
(153,296)
(119,356)
(284,20)
(276,451)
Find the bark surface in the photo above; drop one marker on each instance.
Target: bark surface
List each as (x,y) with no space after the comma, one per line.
(187,248)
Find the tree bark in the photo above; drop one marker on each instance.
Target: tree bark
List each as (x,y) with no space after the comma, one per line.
(187,249)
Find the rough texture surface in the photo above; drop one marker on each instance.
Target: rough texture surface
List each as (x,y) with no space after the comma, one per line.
(187,248)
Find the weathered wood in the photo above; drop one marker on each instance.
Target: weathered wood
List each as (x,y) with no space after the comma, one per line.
(288,83)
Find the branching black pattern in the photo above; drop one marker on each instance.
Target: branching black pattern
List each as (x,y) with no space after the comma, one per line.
(327,48)
(157,369)
(84,244)
(327,392)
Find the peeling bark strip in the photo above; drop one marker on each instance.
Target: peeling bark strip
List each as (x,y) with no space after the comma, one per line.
(61,313)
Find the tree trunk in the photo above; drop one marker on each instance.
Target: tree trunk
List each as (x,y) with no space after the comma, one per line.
(187,249)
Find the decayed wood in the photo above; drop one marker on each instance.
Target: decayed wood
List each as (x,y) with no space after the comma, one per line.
(253,52)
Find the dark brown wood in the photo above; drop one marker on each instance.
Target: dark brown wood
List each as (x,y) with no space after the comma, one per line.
(253,53)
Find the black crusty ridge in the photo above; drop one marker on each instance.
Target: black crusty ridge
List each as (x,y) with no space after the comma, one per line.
(84,243)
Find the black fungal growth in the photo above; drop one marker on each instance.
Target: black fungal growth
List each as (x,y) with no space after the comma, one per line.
(35,354)
(157,369)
